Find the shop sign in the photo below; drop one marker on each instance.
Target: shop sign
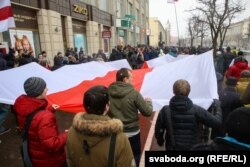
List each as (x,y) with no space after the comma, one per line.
(148,32)
(137,30)
(80,9)
(106,34)
(25,18)
(121,33)
(132,17)
(79,26)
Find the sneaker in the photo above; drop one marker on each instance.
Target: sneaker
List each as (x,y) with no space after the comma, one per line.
(4,130)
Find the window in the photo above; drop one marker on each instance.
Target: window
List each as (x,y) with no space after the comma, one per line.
(103,5)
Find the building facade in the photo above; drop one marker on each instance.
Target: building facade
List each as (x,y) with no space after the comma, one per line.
(55,25)
(132,22)
(238,34)
(158,34)
(168,34)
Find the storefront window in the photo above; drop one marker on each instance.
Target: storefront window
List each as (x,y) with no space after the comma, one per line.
(80,42)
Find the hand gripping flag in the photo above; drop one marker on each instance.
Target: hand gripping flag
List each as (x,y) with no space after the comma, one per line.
(6,16)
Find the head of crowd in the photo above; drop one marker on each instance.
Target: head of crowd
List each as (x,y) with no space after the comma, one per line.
(181,125)
(135,55)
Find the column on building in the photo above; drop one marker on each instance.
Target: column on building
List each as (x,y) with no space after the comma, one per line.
(50,31)
(100,30)
(92,36)
(113,39)
(69,32)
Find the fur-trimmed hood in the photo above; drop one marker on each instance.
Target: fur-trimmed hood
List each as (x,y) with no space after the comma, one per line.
(96,125)
(92,128)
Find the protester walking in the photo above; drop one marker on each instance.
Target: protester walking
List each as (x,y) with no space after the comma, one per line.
(45,144)
(125,102)
(181,120)
(95,139)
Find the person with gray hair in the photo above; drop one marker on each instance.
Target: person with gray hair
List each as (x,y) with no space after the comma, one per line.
(181,120)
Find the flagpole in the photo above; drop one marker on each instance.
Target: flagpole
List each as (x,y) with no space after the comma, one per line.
(177,25)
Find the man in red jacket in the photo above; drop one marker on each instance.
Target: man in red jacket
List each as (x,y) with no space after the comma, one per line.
(46,145)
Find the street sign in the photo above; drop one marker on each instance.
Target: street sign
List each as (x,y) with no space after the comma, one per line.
(106,34)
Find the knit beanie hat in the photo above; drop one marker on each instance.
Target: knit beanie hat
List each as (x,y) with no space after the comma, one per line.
(237,124)
(34,86)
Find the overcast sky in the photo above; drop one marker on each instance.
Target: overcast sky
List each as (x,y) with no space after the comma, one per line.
(165,11)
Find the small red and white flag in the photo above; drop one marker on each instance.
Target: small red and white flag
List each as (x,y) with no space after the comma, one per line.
(6,16)
(172,1)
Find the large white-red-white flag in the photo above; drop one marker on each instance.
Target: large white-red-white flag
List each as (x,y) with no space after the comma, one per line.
(68,84)
(172,1)
(6,16)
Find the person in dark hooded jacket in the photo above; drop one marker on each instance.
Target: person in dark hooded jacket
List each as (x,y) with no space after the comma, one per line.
(58,61)
(185,118)
(115,55)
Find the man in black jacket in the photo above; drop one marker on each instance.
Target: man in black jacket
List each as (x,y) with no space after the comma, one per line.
(237,127)
(182,120)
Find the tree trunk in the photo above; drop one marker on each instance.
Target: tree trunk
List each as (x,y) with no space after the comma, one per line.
(191,42)
(202,37)
(215,43)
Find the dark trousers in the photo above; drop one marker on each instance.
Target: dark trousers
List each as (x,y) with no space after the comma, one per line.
(135,143)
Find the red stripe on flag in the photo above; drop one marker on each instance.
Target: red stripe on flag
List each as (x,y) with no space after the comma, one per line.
(5,13)
(145,65)
(71,100)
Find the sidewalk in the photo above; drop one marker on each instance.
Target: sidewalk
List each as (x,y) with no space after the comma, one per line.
(10,142)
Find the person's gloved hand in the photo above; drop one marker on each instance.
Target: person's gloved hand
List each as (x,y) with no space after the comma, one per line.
(160,141)
(216,103)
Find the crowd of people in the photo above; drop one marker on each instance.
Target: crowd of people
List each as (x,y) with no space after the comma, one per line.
(108,132)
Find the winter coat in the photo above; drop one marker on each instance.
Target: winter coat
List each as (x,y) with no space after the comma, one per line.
(115,55)
(246,95)
(125,102)
(46,145)
(186,119)
(236,69)
(3,64)
(227,59)
(58,63)
(242,85)
(89,138)
(220,144)
(230,100)
(25,59)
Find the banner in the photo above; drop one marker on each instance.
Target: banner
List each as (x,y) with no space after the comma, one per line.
(22,40)
(156,83)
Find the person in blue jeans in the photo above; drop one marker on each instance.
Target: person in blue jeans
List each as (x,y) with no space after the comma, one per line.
(3,114)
